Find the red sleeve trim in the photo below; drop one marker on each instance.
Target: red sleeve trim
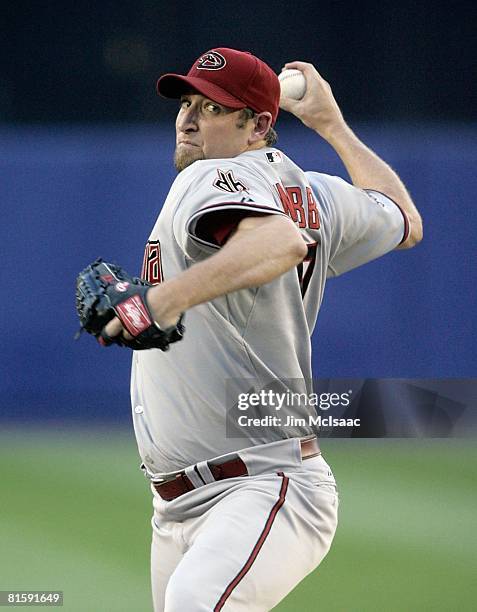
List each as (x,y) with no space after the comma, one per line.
(222,234)
(217,231)
(238,206)
(407,224)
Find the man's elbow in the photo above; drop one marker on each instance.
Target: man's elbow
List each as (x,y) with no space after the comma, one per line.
(415,235)
(300,250)
(418,233)
(293,245)
(297,247)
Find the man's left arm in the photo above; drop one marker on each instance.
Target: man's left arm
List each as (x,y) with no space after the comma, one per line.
(368,171)
(260,250)
(319,111)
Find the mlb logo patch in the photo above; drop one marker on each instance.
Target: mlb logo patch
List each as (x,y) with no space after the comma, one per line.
(274,157)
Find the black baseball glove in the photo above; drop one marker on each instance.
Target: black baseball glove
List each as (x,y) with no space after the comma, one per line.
(105,291)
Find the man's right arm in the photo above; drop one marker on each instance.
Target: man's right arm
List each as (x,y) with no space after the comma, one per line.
(260,250)
(319,111)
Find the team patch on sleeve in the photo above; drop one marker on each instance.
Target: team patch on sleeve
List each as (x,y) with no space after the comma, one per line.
(227,182)
(274,157)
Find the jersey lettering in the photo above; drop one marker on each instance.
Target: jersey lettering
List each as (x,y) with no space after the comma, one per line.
(152,263)
(313,216)
(292,202)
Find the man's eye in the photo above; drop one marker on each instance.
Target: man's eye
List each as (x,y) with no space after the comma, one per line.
(184,103)
(212,108)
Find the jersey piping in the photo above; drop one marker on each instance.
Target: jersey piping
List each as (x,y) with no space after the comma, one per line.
(192,223)
(407,223)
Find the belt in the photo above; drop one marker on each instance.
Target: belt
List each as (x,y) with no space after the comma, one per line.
(233,468)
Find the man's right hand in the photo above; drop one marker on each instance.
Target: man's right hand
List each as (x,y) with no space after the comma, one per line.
(317,109)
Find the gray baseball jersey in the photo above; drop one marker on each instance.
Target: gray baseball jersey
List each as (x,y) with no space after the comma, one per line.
(181,399)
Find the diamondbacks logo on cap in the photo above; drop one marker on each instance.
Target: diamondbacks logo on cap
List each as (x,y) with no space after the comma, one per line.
(211,61)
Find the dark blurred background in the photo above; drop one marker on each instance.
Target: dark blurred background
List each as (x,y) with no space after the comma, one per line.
(97,62)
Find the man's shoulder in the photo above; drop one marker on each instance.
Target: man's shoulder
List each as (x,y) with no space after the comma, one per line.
(327,185)
(265,163)
(191,178)
(267,157)
(322,178)
(203,167)
(251,162)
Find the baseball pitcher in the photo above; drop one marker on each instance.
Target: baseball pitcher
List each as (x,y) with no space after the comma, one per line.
(234,270)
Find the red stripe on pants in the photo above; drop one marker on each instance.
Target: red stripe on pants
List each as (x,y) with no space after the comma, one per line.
(260,542)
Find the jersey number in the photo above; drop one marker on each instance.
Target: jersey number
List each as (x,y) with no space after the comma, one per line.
(152,263)
(306,267)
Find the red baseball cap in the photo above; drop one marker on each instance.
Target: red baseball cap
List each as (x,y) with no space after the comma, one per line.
(236,79)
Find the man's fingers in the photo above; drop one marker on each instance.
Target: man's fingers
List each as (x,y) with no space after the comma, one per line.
(288,104)
(302,66)
(113,328)
(309,71)
(111,332)
(104,339)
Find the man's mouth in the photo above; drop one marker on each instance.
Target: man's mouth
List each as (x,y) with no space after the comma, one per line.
(187,143)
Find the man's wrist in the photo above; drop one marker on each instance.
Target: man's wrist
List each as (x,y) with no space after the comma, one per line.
(163,309)
(336,133)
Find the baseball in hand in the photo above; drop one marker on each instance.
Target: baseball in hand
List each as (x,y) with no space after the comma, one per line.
(292,84)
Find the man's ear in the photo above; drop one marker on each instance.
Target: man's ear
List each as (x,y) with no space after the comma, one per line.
(262,123)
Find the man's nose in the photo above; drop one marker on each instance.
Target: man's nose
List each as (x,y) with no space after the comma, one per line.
(188,120)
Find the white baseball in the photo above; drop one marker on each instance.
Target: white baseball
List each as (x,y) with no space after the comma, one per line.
(292,84)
